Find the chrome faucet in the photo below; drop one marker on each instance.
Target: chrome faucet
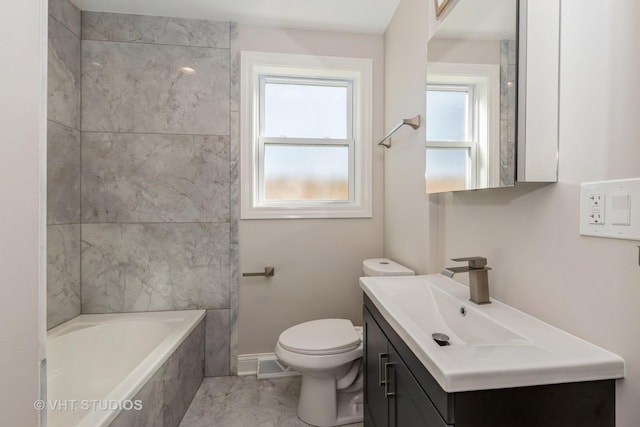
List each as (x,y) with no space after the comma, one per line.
(478,277)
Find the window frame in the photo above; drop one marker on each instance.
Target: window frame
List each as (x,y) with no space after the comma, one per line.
(470,141)
(349,141)
(259,68)
(486,78)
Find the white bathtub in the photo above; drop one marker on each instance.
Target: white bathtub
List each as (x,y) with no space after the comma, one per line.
(96,363)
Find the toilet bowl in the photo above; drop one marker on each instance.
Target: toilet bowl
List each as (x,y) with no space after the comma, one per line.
(328,354)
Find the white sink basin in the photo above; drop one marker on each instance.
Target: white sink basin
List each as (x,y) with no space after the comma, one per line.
(491,346)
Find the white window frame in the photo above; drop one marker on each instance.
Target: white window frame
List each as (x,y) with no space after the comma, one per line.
(349,142)
(258,68)
(470,141)
(486,80)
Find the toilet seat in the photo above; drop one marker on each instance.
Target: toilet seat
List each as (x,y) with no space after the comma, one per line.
(321,337)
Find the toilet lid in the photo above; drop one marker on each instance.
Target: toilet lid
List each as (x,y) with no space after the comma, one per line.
(325,336)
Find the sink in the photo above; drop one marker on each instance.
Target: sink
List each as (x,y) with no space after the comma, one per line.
(490,346)
(442,312)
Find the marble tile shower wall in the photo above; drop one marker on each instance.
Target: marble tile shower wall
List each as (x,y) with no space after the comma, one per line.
(507,112)
(63,163)
(157,170)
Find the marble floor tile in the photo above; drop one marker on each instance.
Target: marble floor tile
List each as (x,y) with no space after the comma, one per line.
(246,402)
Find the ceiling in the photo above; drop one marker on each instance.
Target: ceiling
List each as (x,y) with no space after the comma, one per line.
(485,20)
(354,16)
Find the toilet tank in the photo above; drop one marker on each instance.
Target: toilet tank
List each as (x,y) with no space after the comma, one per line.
(384,267)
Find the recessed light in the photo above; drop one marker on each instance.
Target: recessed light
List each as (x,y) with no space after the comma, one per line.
(188,70)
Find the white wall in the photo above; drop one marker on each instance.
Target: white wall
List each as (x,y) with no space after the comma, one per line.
(317,261)
(587,286)
(408,210)
(464,51)
(23,33)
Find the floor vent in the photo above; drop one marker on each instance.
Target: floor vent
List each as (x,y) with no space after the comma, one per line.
(272,367)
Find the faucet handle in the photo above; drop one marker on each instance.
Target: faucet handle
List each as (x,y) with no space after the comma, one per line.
(474,261)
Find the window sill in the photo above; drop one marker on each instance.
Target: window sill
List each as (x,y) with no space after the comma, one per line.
(305,213)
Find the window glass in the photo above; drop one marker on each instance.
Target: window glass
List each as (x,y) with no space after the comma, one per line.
(448,115)
(305,111)
(306,172)
(447,169)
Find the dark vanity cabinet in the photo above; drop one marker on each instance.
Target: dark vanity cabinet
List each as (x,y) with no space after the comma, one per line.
(393,396)
(400,392)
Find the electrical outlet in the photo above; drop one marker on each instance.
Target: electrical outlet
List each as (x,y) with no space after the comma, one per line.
(596,201)
(596,218)
(610,209)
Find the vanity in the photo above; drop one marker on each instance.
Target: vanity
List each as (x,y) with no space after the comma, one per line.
(501,367)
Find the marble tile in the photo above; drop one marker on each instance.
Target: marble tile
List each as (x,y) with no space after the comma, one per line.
(233,309)
(216,354)
(63,174)
(63,76)
(244,402)
(67,14)
(133,87)
(63,273)
(234,175)
(183,373)
(511,116)
(152,406)
(150,267)
(154,29)
(154,178)
(235,68)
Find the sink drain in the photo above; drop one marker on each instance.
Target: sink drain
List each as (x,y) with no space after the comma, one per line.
(440,338)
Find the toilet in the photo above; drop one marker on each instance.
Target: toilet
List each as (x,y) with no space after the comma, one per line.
(328,354)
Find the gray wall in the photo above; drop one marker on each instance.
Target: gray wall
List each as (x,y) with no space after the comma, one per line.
(139,194)
(63,163)
(156,169)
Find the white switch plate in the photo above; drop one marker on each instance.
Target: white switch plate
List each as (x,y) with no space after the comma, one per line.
(596,196)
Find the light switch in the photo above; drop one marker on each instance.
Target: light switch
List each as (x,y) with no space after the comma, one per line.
(620,209)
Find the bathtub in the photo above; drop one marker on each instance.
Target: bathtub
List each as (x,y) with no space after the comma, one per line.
(98,363)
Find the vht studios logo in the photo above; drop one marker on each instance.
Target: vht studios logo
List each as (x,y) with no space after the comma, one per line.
(88,405)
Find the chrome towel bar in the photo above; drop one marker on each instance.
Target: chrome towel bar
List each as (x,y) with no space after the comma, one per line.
(414,122)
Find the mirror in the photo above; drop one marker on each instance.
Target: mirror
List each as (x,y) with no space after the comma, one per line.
(441,5)
(471,97)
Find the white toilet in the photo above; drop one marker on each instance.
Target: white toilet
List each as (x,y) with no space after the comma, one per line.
(328,354)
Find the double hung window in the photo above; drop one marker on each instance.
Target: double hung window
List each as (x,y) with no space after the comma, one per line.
(451,136)
(463,126)
(306,137)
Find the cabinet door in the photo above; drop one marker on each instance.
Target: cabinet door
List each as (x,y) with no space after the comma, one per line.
(375,356)
(409,404)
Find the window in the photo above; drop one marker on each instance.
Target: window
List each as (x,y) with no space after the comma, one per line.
(463,126)
(451,137)
(306,144)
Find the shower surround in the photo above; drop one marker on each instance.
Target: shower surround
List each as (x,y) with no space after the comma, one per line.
(157,173)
